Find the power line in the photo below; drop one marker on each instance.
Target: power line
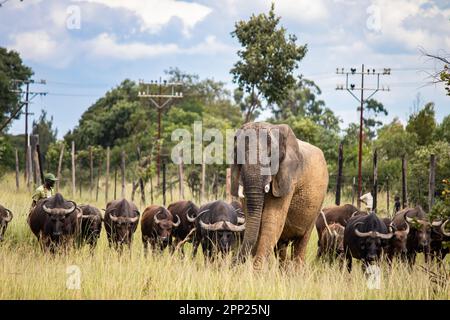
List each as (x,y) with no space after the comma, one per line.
(350,87)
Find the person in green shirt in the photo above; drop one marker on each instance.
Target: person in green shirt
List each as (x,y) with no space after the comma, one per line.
(46,190)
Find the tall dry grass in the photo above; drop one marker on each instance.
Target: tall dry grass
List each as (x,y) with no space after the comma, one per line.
(27,273)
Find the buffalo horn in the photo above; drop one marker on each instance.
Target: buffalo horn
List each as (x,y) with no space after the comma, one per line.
(234,228)
(443,228)
(9,216)
(178,221)
(212,227)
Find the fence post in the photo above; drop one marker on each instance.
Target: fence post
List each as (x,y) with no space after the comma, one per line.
(91,171)
(431,186)
(58,174)
(375,180)
(34,163)
(203,180)
(339,175)
(151,189)
(181,179)
(39,158)
(115,182)
(353,191)
(108,159)
(98,179)
(122,169)
(164,182)
(17,169)
(387,196)
(404,188)
(228,184)
(73,170)
(141,181)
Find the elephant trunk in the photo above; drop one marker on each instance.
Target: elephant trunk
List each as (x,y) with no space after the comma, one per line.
(254,204)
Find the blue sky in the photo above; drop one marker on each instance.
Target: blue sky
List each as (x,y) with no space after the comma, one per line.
(138,39)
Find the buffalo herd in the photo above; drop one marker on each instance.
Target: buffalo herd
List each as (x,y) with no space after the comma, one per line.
(344,232)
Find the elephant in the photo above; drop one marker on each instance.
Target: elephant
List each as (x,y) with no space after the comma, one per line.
(281,206)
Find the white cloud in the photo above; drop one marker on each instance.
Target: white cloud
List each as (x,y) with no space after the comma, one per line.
(154,14)
(106,45)
(302,10)
(34,45)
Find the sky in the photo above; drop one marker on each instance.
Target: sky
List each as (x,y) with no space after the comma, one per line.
(83,48)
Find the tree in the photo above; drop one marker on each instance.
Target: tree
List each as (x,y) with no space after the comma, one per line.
(373,108)
(443,130)
(47,134)
(394,141)
(302,101)
(11,68)
(267,60)
(423,124)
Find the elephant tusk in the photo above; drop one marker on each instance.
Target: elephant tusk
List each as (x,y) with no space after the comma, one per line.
(241,192)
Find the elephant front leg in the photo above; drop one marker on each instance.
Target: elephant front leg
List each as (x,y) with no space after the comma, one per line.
(272,223)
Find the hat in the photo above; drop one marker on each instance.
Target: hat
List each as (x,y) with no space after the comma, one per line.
(50,176)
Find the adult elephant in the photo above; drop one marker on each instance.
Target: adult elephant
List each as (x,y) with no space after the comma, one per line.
(281,202)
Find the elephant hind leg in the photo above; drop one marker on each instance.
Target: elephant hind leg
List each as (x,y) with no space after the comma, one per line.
(299,247)
(281,251)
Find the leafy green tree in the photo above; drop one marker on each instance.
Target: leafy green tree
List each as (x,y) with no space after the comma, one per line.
(372,110)
(394,141)
(423,124)
(267,60)
(11,68)
(443,130)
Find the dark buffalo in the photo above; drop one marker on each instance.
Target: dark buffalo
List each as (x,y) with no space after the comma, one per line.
(397,245)
(438,236)
(187,212)
(156,225)
(216,226)
(419,236)
(5,218)
(121,221)
(332,243)
(91,225)
(55,221)
(364,239)
(339,214)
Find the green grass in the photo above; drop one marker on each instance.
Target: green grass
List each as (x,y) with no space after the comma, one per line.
(27,273)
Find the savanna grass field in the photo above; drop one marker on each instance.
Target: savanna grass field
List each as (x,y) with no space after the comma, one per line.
(28,273)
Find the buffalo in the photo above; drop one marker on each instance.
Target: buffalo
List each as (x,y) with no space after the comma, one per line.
(438,237)
(55,221)
(121,220)
(156,226)
(187,212)
(5,217)
(216,228)
(339,214)
(419,236)
(91,225)
(331,241)
(364,239)
(397,245)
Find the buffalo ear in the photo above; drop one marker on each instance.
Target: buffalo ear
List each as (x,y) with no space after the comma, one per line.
(290,161)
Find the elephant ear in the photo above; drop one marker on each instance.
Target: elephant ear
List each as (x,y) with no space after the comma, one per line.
(290,161)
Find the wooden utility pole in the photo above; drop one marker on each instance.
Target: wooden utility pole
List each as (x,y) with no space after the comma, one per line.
(404,188)
(339,175)
(108,158)
(73,170)
(350,87)
(122,172)
(17,169)
(160,94)
(91,172)
(375,180)
(431,184)
(228,185)
(58,174)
